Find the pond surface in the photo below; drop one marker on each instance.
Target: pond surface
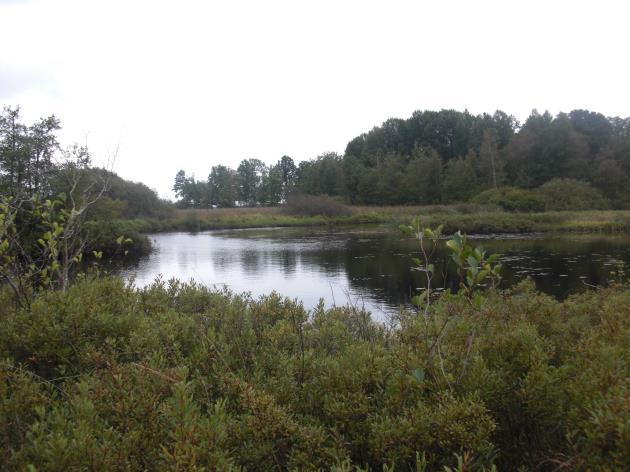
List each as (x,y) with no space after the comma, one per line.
(367,266)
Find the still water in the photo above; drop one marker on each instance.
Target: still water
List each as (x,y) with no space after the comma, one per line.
(368,266)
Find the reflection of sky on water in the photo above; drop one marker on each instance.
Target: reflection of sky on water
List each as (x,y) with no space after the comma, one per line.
(254,264)
(367,266)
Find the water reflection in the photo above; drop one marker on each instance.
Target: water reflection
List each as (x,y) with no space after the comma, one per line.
(365,266)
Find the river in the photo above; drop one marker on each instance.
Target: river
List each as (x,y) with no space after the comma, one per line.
(366,266)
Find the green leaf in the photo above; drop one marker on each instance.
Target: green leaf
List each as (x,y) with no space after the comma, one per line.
(493,258)
(452,245)
(418,374)
(406,229)
(418,300)
(457,237)
(478,300)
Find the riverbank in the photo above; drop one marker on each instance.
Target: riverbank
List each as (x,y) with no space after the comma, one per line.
(469,219)
(176,376)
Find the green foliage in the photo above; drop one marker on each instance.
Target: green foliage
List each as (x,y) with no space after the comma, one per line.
(123,199)
(249,173)
(470,218)
(196,193)
(252,183)
(475,267)
(569,194)
(176,376)
(460,180)
(38,245)
(26,153)
(104,236)
(449,156)
(223,188)
(555,195)
(513,199)
(422,182)
(323,175)
(42,244)
(87,204)
(429,239)
(33,163)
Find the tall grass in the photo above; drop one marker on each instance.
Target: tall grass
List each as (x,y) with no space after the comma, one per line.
(468,218)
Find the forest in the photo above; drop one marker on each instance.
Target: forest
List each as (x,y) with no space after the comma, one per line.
(442,157)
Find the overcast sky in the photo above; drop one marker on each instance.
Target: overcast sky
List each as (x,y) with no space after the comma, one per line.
(191,84)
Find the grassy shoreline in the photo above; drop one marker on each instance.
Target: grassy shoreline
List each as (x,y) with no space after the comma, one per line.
(453,218)
(469,220)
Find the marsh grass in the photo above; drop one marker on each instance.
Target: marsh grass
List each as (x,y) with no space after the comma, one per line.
(469,218)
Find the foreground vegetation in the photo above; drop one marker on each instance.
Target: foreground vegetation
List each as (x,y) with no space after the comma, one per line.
(175,376)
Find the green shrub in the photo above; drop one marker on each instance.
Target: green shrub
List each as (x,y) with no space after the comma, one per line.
(574,195)
(512,199)
(103,236)
(177,376)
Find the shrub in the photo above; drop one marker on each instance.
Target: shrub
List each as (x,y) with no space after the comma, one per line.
(512,199)
(104,235)
(177,376)
(570,194)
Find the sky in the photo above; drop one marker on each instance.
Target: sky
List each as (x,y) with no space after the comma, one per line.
(157,86)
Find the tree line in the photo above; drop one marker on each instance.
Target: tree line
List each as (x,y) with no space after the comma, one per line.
(33,162)
(437,157)
(252,183)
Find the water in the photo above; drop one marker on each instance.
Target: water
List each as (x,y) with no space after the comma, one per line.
(366,266)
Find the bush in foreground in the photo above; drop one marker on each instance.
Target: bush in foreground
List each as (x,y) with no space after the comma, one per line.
(176,376)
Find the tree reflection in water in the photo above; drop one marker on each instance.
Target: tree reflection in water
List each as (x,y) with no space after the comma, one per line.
(371,265)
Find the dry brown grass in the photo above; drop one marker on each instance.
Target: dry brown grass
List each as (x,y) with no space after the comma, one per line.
(221,213)
(402,210)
